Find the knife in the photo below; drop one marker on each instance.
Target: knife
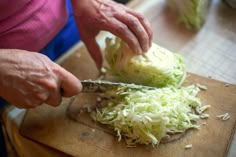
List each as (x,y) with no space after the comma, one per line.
(99,86)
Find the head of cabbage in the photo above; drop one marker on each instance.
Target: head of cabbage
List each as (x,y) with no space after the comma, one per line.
(192,13)
(158,67)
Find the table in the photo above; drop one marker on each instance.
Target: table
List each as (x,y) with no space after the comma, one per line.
(209,52)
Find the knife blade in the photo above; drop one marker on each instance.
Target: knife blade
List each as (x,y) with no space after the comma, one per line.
(99,86)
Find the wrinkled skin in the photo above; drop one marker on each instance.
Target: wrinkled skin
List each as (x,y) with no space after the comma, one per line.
(28,79)
(93,16)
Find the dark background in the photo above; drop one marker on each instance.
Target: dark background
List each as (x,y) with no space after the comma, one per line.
(122,1)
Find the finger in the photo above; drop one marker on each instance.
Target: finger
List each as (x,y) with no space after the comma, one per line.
(30,102)
(49,95)
(121,30)
(144,23)
(54,98)
(136,27)
(25,105)
(37,94)
(42,97)
(93,49)
(69,83)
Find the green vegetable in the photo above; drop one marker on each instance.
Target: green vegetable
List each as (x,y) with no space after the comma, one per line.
(192,13)
(147,116)
(158,67)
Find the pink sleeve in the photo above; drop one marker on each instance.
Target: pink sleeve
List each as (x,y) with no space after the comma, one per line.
(33,25)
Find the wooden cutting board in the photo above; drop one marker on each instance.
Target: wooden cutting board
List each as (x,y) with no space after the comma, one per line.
(52,127)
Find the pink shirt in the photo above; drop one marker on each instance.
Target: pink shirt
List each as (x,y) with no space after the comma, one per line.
(30,24)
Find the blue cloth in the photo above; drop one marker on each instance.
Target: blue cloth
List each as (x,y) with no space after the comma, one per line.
(63,41)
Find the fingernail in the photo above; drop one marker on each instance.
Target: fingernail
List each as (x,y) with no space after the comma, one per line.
(138,51)
(150,43)
(146,47)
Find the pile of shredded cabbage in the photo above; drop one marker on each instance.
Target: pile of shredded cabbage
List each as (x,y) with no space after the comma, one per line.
(158,67)
(147,116)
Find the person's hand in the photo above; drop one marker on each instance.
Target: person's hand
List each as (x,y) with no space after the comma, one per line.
(28,79)
(94,15)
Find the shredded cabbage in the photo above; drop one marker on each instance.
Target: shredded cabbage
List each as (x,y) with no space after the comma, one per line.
(158,67)
(192,13)
(146,116)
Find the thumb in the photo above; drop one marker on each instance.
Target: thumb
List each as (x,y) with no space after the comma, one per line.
(94,50)
(70,85)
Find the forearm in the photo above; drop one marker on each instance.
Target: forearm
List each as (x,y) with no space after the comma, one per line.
(6,56)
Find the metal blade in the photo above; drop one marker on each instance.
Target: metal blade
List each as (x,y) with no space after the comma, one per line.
(98,86)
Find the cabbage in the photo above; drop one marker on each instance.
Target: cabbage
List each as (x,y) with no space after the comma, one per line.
(158,67)
(147,116)
(192,13)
